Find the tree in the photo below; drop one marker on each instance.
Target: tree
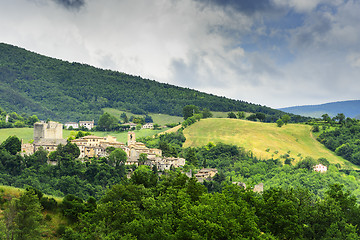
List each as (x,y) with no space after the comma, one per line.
(191,157)
(252,117)
(285,118)
(189,111)
(279,123)
(326,118)
(124,117)
(241,115)
(206,113)
(261,116)
(107,122)
(31,120)
(12,144)
(148,119)
(231,115)
(117,157)
(340,117)
(142,158)
(28,216)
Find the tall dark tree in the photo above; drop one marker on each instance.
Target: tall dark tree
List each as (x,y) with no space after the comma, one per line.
(189,111)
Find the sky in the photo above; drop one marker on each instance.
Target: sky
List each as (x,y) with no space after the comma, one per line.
(277,53)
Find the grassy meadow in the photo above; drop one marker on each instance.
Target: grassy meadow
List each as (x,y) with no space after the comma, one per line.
(158,118)
(265,140)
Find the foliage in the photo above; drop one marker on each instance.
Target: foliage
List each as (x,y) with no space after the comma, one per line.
(12,144)
(279,122)
(64,91)
(344,140)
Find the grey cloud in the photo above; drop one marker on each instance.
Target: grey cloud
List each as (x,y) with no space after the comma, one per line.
(313,31)
(71,4)
(248,7)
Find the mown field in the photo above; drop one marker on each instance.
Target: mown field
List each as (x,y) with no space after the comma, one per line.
(265,140)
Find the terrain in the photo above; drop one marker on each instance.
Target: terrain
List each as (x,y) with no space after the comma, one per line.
(264,140)
(50,88)
(349,108)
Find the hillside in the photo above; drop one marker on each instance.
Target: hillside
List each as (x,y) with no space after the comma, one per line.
(265,140)
(349,108)
(50,88)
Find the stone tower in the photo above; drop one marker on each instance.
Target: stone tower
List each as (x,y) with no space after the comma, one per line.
(50,131)
(131,138)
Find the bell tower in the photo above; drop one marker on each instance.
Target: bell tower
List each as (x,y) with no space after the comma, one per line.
(131,138)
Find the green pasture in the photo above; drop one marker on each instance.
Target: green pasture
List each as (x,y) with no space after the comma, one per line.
(265,140)
(158,118)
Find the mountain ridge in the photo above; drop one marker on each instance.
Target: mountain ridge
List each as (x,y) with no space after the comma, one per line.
(351,108)
(51,88)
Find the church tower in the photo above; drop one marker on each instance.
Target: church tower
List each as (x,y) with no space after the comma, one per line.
(131,138)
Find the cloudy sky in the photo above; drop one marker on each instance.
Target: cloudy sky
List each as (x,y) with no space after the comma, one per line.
(276,53)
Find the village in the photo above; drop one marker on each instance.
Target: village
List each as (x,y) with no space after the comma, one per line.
(48,135)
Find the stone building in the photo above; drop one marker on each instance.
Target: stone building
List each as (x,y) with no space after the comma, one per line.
(46,135)
(93,146)
(206,174)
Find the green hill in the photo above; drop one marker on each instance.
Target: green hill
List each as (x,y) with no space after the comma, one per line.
(265,140)
(50,88)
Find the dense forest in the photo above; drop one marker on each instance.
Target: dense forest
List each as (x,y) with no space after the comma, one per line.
(343,138)
(50,88)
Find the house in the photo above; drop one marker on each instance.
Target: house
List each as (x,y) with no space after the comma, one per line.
(94,146)
(148,126)
(74,125)
(87,124)
(320,168)
(206,174)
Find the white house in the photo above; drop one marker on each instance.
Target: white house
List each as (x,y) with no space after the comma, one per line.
(320,168)
(74,125)
(148,126)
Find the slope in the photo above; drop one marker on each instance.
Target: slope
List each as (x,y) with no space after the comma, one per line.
(50,88)
(265,140)
(349,108)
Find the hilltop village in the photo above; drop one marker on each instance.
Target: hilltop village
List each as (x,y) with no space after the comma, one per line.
(49,136)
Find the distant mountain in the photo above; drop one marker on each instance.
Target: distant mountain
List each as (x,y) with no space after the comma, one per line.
(50,88)
(349,108)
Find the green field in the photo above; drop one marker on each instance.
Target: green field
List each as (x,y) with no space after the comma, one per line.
(265,140)
(27,133)
(158,118)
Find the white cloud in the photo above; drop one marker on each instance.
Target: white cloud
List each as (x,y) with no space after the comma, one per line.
(243,55)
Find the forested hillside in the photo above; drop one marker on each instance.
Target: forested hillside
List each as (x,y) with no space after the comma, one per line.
(50,88)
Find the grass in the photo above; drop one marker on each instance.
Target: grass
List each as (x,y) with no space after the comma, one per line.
(265,140)
(23,133)
(158,118)
(225,114)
